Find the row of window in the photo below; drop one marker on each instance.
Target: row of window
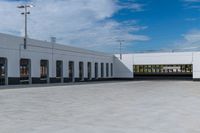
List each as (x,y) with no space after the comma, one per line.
(59,69)
(163,69)
(25,70)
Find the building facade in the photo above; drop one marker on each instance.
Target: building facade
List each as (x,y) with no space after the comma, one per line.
(48,62)
(166,64)
(45,62)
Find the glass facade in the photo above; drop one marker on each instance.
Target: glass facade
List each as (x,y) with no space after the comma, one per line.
(163,69)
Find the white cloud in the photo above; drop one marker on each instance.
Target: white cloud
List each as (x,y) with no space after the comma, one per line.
(193,36)
(191,19)
(192,4)
(190,41)
(82,23)
(192,0)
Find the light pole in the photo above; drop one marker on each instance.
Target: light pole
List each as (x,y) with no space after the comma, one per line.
(25,13)
(120,47)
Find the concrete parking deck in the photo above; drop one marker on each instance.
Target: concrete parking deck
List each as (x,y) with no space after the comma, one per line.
(116,107)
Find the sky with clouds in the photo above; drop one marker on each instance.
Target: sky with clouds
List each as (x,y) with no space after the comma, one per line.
(98,24)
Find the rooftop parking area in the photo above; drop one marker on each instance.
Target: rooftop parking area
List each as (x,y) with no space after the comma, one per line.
(107,107)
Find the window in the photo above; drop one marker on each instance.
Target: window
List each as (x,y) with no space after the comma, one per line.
(149,69)
(141,69)
(25,70)
(107,70)
(102,70)
(96,70)
(81,71)
(89,66)
(111,70)
(3,71)
(71,70)
(163,69)
(44,69)
(59,69)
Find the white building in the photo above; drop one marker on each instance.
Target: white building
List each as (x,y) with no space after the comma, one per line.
(171,64)
(47,62)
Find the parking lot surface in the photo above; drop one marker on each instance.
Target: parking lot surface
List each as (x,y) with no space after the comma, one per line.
(115,107)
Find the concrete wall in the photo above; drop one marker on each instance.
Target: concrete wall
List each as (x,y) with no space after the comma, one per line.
(163,58)
(196,65)
(124,67)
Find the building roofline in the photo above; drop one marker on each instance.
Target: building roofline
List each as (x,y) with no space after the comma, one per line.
(49,44)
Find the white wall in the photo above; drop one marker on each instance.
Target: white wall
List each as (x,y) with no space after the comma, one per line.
(162,58)
(124,68)
(196,65)
(11,47)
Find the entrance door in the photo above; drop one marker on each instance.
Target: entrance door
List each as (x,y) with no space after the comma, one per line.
(3,71)
(25,71)
(71,71)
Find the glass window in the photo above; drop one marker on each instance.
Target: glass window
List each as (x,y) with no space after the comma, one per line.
(59,69)
(25,70)
(81,71)
(107,70)
(111,70)
(162,69)
(96,70)
(3,71)
(89,66)
(102,70)
(149,69)
(141,69)
(71,70)
(44,65)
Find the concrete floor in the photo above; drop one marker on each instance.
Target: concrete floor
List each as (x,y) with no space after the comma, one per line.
(124,107)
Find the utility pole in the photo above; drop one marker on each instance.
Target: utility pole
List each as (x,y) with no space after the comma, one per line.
(120,47)
(25,13)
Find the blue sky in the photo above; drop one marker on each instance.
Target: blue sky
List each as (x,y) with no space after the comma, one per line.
(167,21)
(98,24)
